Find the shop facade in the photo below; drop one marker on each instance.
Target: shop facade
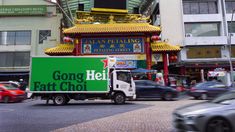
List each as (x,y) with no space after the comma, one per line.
(27,28)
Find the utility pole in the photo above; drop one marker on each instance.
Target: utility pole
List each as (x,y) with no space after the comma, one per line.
(230,49)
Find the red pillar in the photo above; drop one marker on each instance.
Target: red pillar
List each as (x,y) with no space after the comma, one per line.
(165,68)
(182,70)
(148,55)
(77,44)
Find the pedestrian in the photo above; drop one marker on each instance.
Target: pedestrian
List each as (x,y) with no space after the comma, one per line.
(23,84)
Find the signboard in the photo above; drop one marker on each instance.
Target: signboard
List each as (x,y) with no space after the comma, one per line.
(126,64)
(22,10)
(216,73)
(112,45)
(69,74)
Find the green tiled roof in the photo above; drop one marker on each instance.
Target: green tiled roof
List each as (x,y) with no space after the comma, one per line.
(88,4)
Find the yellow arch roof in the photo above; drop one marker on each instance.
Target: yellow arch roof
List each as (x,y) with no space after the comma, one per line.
(61,49)
(112,28)
(163,47)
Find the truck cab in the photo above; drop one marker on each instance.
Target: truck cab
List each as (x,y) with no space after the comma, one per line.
(122,86)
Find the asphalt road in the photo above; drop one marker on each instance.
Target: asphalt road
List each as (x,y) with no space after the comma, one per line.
(36,116)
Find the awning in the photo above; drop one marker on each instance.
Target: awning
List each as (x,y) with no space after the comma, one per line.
(14,73)
(163,47)
(61,49)
(142,70)
(113,28)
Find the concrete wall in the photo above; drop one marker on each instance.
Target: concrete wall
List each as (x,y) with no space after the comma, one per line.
(172,21)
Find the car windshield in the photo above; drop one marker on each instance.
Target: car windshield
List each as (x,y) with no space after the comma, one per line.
(198,85)
(224,97)
(208,84)
(9,87)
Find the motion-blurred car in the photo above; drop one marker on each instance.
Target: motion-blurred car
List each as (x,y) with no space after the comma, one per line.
(209,89)
(217,115)
(150,89)
(13,83)
(9,93)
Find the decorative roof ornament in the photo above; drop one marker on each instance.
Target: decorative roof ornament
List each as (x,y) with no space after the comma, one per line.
(138,18)
(87,20)
(111,20)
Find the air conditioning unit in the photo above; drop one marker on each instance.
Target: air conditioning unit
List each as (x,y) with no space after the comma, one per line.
(188,35)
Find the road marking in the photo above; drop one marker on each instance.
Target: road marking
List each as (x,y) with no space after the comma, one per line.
(6,110)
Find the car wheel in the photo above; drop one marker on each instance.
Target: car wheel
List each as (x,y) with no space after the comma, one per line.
(196,97)
(59,99)
(119,98)
(167,96)
(218,125)
(204,96)
(6,99)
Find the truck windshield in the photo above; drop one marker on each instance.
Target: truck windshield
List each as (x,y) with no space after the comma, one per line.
(124,76)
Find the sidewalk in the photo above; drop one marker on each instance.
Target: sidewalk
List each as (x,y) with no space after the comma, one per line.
(156,118)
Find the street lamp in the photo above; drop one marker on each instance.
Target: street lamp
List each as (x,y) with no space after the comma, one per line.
(230,48)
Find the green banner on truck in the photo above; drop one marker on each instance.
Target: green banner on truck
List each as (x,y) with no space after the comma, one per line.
(69,74)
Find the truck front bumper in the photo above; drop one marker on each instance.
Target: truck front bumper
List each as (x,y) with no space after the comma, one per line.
(132,97)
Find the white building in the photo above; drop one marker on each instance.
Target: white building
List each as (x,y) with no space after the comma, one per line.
(201,27)
(27,27)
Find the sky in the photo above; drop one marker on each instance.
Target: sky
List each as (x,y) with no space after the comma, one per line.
(53,0)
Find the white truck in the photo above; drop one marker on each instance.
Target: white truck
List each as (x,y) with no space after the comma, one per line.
(64,78)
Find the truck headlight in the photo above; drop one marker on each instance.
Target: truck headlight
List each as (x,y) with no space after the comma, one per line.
(130,89)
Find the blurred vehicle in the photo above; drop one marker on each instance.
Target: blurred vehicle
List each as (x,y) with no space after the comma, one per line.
(217,115)
(13,83)
(22,85)
(180,88)
(9,93)
(209,89)
(150,89)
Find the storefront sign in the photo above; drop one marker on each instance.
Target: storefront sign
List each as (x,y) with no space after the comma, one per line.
(216,73)
(126,64)
(112,45)
(22,10)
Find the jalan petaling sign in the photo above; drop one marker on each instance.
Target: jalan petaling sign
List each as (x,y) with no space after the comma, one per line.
(112,45)
(22,10)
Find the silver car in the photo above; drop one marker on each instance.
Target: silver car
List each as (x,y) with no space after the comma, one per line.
(217,115)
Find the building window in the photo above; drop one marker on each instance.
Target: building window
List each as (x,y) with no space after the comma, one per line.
(204,52)
(15,37)
(202,29)
(231,29)
(233,51)
(43,34)
(230,6)
(14,59)
(200,7)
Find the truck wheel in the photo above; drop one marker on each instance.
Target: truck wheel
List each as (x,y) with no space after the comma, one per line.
(59,99)
(119,98)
